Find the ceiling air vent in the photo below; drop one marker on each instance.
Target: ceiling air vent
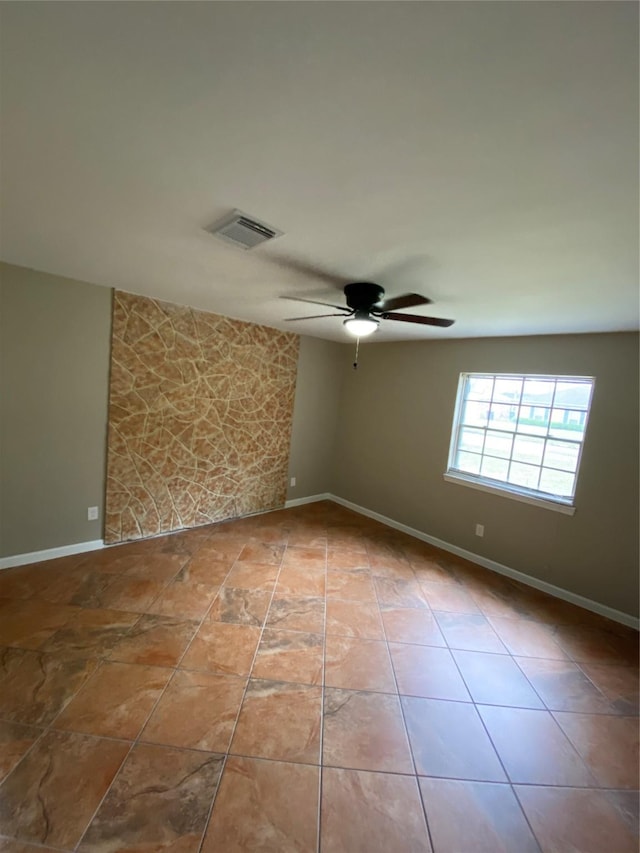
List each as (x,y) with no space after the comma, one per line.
(243,230)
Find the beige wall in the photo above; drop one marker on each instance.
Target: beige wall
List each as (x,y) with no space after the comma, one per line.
(54,386)
(378,437)
(54,366)
(395,425)
(200,412)
(315,416)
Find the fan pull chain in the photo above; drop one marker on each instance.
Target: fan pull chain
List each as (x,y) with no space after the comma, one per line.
(355,363)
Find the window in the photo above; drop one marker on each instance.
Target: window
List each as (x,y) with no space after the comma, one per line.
(520,434)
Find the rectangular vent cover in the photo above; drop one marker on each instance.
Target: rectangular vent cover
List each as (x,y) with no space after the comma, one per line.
(243,230)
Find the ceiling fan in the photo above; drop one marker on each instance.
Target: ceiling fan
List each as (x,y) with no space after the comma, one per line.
(366,306)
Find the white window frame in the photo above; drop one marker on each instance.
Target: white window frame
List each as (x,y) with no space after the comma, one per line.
(483,483)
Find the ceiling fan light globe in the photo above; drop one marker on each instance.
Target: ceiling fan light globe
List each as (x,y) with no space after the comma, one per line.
(360,327)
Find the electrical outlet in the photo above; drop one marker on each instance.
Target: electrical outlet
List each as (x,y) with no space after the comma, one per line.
(293,481)
(92,513)
(479,529)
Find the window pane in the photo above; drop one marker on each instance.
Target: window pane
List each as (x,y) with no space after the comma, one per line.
(557,483)
(524,475)
(479,388)
(522,431)
(561,454)
(469,462)
(498,444)
(497,469)
(507,390)
(503,416)
(573,395)
(471,439)
(475,413)
(527,449)
(533,420)
(538,392)
(567,423)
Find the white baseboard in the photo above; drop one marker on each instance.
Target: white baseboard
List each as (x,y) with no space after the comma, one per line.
(492,565)
(50,554)
(543,586)
(310,500)
(96,544)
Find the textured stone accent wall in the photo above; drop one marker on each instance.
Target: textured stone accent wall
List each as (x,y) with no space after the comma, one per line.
(200,412)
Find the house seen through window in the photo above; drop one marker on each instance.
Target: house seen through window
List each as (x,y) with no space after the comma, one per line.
(520,433)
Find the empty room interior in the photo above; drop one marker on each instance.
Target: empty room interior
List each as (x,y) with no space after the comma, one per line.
(319,427)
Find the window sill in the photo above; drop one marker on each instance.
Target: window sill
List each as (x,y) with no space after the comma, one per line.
(556,506)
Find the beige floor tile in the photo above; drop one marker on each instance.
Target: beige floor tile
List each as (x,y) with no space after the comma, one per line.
(533,748)
(52,794)
(358,664)
(297,613)
(281,721)
(198,710)
(168,814)
(448,740)
(427,671)
(263,616)
(566,820)
(483,817)
(240,606)
(364,812)
(15,740)
(411,625)
(35,687)
(609,746)
(115,701)
(271,806)
(356,585)
(301,581)
(496,680)
(223,648)
(289,656)
(354,619)
(253,576)
(155,640)
(364,731)
(469,631)
(300,557)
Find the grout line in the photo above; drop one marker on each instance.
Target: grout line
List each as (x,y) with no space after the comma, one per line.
(455,663)
(495,749)
(324,665)
(44,729)
(226,753)
(35,844)
(404,723)
(100,660)
(244,693)
(524,814)
(148,717)
(366,533)
(516,660)
(115,776)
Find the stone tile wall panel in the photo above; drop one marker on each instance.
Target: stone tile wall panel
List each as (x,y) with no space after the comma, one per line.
(200,413)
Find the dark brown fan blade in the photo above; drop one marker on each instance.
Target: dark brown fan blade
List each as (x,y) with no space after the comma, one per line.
(314,317)
(416,318)
(407,300)
(315,302)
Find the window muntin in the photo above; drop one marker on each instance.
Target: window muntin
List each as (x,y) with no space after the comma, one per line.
(521,433)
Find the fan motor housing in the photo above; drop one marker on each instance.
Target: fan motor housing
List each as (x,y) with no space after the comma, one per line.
(363,294)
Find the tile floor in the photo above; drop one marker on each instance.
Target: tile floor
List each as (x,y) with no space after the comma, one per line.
(308,679)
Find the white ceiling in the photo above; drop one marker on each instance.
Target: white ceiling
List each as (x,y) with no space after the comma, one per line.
(483,154)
